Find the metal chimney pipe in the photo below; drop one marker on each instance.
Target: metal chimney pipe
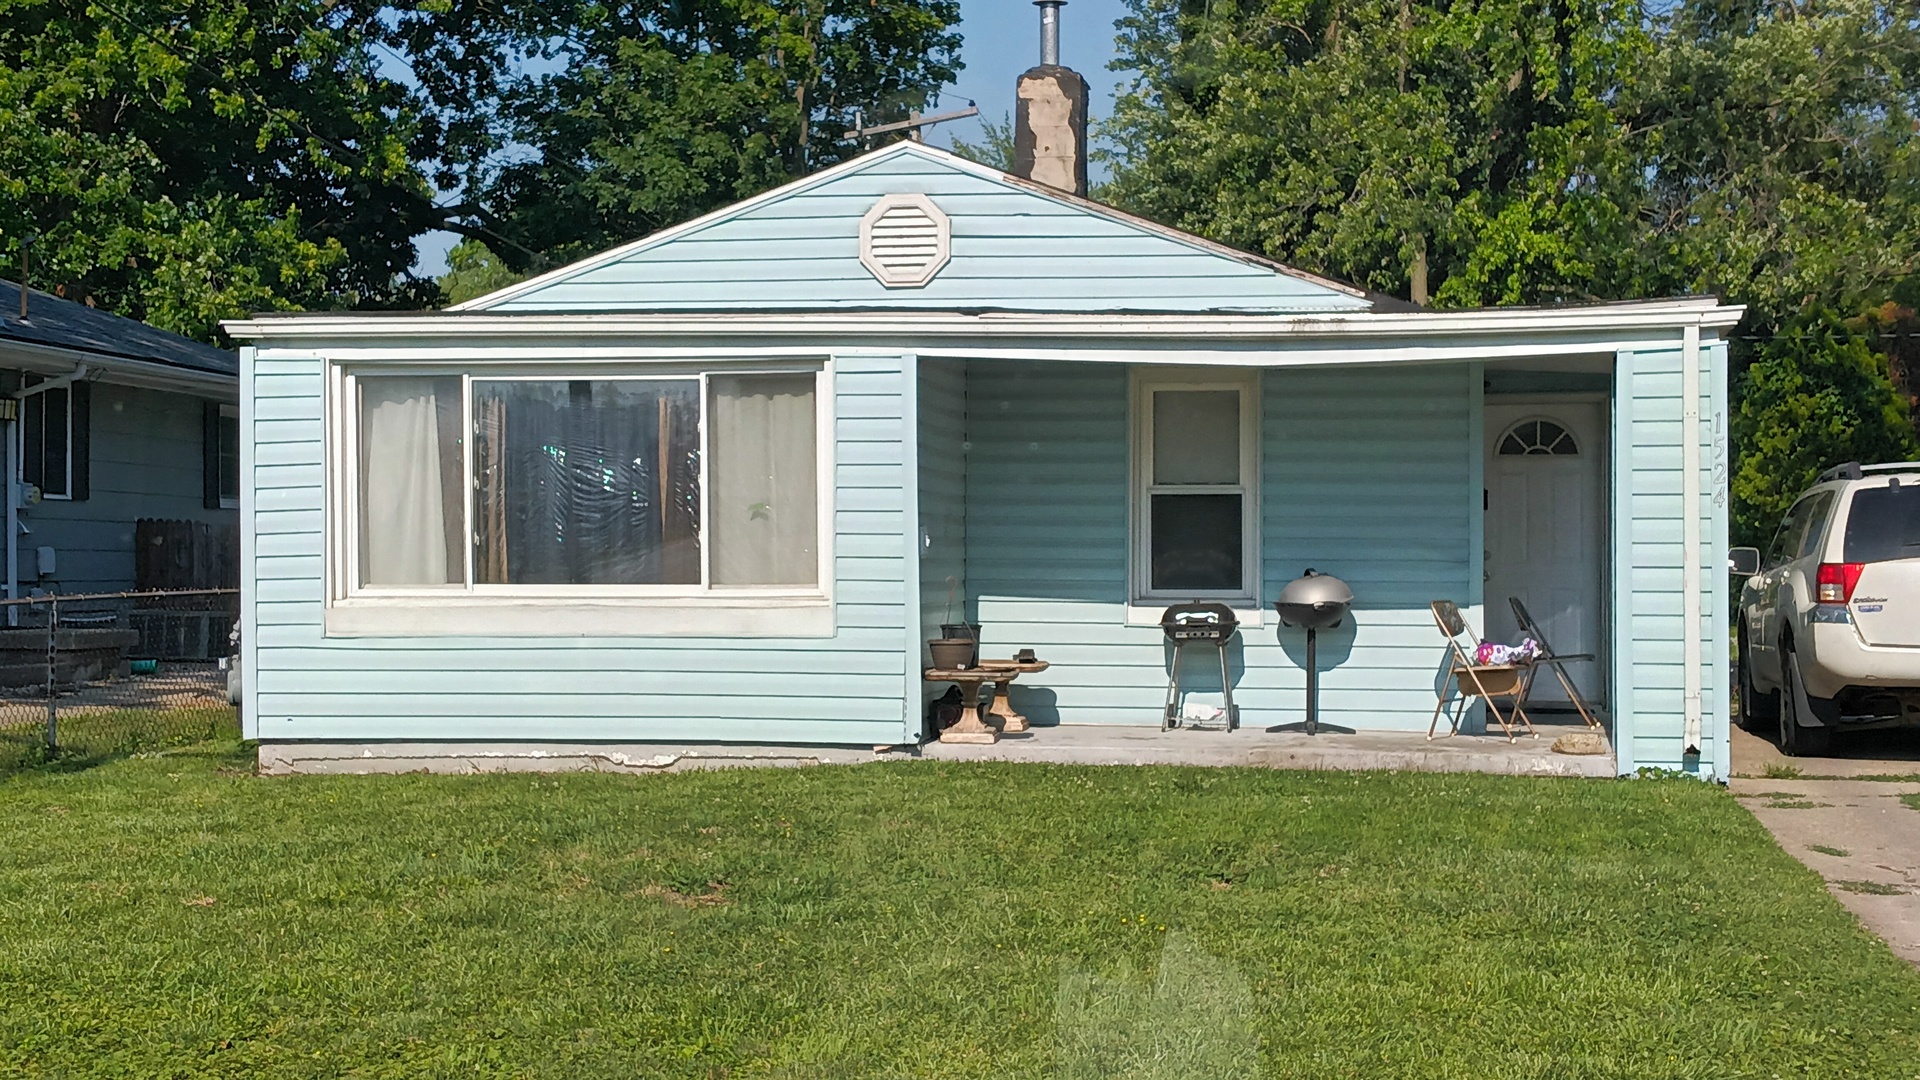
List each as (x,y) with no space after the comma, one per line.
(1049,30)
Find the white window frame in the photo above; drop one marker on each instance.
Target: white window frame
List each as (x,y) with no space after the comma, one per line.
(39,389)
(1147,602)
(229,412)
(568,610)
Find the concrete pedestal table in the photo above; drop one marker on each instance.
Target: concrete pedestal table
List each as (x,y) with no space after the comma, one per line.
(1001,713)
(969,728)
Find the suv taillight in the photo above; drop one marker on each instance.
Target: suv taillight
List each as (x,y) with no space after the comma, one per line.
(1834,582)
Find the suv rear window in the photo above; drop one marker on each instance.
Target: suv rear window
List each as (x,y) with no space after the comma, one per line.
(1883,523)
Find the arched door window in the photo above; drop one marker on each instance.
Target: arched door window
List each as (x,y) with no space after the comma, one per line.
(1541,437)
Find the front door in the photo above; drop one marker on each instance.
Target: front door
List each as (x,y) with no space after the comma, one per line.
(1546,531)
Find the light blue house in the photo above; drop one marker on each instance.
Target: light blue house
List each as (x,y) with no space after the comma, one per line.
(721,485)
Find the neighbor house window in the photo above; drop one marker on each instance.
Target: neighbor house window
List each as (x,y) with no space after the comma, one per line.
(681,484)
(220,455)
(1195,509)
(53,439)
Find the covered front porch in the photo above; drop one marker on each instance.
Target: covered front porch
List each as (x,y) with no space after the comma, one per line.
(1065,503)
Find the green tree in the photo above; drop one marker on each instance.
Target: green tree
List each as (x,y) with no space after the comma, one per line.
(185,160)
(995,148)
(473,270)
(1536,150)
(658,111)
(1814,396)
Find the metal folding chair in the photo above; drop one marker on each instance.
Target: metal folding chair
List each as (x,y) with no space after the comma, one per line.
(1488,682)
(1554,660)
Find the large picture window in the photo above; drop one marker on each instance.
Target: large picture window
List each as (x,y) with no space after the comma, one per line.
(1195,508)
(678,485)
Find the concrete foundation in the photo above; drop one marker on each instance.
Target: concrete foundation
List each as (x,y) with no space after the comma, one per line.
(1065,745)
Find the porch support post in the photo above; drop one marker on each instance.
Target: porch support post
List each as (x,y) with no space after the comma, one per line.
(1690,565)
(1475,717)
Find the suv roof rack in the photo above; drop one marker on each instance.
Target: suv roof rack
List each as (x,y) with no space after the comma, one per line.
(1853,470)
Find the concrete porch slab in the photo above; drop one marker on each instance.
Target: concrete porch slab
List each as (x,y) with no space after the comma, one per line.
(1085,744)
(1407,751)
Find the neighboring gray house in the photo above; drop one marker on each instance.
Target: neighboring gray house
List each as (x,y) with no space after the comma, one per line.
(108,421)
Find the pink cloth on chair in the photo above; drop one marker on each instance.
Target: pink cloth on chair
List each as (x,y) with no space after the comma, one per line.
(1493,652)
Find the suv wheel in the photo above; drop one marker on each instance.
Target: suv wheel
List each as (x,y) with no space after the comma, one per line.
(1756,709)
(1796,740)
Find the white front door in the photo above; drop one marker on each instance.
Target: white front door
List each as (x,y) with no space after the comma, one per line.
(1546,531)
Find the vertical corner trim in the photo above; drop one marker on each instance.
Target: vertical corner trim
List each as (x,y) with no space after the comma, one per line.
(1621,563)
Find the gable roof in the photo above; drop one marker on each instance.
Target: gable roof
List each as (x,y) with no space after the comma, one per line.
(62,324)
(1015,246)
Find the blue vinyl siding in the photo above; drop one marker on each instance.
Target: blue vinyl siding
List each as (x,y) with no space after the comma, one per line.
(847,689)
(1012,249)
(147,458)
(1650,669)
(1366,474)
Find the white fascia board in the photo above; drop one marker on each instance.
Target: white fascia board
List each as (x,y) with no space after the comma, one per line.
(1036,328)
(146,374)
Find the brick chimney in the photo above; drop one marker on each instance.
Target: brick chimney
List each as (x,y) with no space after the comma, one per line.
(1050,116)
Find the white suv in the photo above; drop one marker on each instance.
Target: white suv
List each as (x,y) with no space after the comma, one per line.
(1830,617)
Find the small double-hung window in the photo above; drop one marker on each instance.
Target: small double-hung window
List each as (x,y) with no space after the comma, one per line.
(676,485)
(1195,512)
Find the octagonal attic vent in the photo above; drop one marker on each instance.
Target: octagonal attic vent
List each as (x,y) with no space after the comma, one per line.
(904,241)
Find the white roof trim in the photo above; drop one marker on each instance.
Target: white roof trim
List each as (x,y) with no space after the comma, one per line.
(146,374)
(1704,312)
(905,147)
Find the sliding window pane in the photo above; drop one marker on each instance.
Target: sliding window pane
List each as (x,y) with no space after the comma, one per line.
(410,481)
(1196,542)
(586,482)
(764,472)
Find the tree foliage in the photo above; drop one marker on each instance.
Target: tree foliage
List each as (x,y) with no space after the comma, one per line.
(995,148)
(1535,150)
(1814,395)
(473,271)
(655,112)
(184,161)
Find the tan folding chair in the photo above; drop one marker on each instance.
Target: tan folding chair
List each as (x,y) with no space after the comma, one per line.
(1488,682)
(1549,658)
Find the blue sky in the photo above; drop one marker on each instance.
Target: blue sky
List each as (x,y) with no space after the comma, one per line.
(1001,40)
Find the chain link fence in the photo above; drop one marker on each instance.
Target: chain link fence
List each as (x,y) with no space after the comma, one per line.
(94,675)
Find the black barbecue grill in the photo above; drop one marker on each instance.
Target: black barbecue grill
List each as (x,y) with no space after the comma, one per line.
(1314,601)
(1198,623)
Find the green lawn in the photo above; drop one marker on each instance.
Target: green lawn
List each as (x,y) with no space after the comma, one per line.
(173,915)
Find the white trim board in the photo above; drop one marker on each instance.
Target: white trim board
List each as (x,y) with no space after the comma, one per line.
(1705,313)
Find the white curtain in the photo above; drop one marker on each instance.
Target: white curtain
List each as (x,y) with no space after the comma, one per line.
(763,507)
(404,459)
